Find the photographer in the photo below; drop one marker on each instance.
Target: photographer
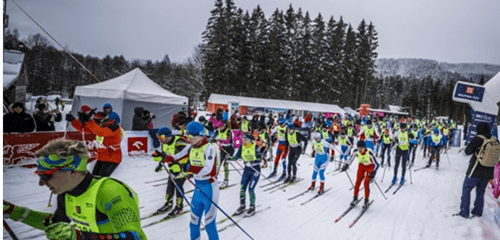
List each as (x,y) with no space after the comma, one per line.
(141,121)
(45,119)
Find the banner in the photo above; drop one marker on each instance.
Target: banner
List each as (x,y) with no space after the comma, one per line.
(468,92)
(477,118)
(455,139)
(20,148)
(137,146)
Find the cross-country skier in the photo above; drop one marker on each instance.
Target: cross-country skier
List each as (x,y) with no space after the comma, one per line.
(282,150)
(295,140)
(251,155)
(402,139)
(321,147)
(435,142)
(224,137)
(327,135)
(203,163)
(413,135)
(345,146)
(170,146)
(265,144)
(370,134)
(386,146)
(367,169)
(88,206)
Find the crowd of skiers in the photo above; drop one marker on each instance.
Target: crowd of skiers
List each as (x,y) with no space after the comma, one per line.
(200,149)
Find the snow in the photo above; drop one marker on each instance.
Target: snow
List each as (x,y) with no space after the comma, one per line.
(421,210)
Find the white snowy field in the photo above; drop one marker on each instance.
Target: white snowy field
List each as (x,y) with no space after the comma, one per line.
(421,210)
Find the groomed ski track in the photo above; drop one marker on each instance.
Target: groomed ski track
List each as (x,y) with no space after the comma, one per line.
(419,211)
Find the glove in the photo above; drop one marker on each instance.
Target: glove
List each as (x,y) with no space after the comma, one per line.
(158,156)
(234,158)
(8,208)
(159,167)
(83,118)
(372,175)
(345,167)
(264,165)
(61,231)
(313,154)
(70,117)
(169,160)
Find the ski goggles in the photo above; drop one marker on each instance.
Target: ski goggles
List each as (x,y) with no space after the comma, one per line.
(47,175)
(161,137)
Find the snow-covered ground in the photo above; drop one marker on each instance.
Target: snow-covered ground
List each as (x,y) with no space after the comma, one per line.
(421,210)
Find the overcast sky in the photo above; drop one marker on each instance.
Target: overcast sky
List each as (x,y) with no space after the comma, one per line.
(454,31)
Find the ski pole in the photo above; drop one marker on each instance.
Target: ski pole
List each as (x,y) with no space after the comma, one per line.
(349,178)
(411,180)
(50,200)
(220,209)
(380,189)
(255,170)
(235,168)
(9,230)
(66,129)
(383,174)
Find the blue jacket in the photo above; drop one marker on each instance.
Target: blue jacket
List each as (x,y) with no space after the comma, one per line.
(433,144)
(112,115)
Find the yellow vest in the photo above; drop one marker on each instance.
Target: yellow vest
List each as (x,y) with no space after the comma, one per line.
(197,156)
(281,133)
(248,153)
(292,139)
(403,140)
(318,147)
(223,135)
(245,126)
(364,159)
(343,141)
(387,138)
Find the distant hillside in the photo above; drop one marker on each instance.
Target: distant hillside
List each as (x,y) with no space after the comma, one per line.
(420,68)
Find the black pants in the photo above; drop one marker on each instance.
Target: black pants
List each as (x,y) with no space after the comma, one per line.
(386,147)
(400,154)
(179,192)
(412,151)
(104,169)
(434,153)
(293,157)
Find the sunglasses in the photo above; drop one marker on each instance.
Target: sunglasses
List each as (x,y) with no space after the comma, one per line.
(161,137)
(47,175)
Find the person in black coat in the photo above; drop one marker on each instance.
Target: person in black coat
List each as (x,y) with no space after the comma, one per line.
(476,177)
(141,122)
(18,120)
(45,119)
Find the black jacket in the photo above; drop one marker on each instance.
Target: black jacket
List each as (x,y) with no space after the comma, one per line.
(45,121)
(138,122)
(473,148)
(18,122)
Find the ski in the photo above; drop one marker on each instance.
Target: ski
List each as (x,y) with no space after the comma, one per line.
(458,214)
(272,182)
(348,210)
(157,180)
(418,169)
(165,219)
(228,186)
(275,186)
(237,220)
(154,214)
(399,187)
(360,214)
(286,185)
(315,196)
(298,195)
(160,184)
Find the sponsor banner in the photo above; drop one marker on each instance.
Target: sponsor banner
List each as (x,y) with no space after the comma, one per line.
(477,118)
(468,92)
(137,146)
(20,148)
(455,140)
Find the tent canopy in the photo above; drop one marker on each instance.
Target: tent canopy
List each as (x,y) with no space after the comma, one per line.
(128,91)
(274,103)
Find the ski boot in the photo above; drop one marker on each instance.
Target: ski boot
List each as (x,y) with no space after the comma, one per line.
(224,184)
(354,201)
(321,188)
(287,179)
(177,210)
(240,210)
(251,210)
(292,179)
(282,177)
(394,179)
(312,186)
(367,204)
(273,174)
(402,181)
(165,208)
(332,158)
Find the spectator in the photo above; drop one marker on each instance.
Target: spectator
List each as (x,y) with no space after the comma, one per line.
(18,120)
(57,102)
(219,117)
(225,115)
(62,105)
(109,136)
(45,119)
(141,122)
(477,177)
(108,109)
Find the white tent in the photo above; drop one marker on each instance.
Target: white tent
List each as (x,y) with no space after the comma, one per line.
(128,91)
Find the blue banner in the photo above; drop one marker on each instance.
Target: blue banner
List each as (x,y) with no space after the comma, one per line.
(455,139)
(468,92)
(477,118)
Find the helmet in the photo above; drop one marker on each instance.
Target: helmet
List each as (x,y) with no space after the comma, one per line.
(195,129)
(436,130)
(402,125)
(164,131)
(316,135)
(361,144)
(368,122)
(202,119)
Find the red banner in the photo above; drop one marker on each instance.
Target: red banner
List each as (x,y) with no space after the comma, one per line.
(137,146)
(20,148)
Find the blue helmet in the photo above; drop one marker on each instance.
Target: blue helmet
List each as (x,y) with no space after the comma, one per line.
(164,131)
(436,130)
(195,129)
(281,120)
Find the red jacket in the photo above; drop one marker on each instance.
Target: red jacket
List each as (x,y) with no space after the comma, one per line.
(111,139)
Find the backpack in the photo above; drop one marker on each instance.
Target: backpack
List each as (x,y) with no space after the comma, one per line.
(489,153)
